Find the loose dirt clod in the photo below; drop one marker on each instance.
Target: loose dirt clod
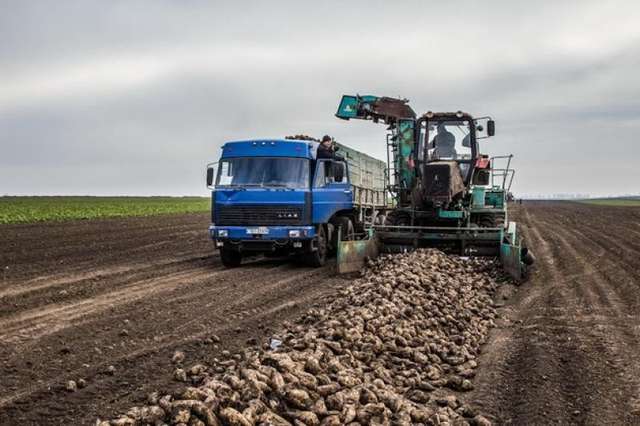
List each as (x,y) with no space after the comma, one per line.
(409,329)
(71,386)
(178,357)
(180,375)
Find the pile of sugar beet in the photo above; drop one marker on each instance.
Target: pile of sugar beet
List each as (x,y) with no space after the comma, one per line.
(391,348)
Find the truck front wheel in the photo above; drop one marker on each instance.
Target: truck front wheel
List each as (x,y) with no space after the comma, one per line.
(230,258)
(318,257)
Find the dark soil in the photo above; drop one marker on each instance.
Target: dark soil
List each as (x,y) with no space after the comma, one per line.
(567,350)
(79,297)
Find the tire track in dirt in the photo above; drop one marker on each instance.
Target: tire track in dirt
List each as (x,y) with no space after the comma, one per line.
(78,287)
(178,338)
(600,268)
(130,307)
(603,307)
(621,263)
(613,258)
(567,351)
(48,319)
(618,309)
(34,250)
(44,283)
(534,357)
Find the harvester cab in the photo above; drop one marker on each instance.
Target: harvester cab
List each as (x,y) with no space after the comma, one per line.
(447,157)
(445,191)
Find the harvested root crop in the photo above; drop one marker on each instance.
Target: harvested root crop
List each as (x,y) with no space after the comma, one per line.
(388,350)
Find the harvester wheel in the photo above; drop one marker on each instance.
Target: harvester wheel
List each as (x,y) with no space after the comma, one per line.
(318,257)
(230,258)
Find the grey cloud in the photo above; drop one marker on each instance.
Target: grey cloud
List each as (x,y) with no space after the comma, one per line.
(559,87)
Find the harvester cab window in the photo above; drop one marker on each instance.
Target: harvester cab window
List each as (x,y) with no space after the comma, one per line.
(449,140)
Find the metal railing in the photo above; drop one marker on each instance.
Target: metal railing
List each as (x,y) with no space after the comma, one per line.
(506,173)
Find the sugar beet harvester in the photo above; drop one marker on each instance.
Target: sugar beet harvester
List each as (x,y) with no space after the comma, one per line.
(446,194)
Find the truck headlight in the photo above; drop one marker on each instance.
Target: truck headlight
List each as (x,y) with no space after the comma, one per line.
(223,233)
(294,233)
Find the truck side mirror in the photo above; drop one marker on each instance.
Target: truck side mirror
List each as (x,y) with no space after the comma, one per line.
(491,127)
(211,174)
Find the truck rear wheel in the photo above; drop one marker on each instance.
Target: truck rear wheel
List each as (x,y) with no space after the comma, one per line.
(347,230)
(230,258)
(318,257)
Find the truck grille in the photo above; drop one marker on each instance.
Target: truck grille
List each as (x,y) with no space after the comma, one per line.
(258,215)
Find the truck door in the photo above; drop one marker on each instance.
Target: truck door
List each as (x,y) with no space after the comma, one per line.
(331,190)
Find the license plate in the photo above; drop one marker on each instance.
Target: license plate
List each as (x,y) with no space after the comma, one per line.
(262,230)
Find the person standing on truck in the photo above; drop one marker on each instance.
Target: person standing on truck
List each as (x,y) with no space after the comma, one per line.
(326,148)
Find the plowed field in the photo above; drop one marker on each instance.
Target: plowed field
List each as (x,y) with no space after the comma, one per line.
(567,351)
(79,297)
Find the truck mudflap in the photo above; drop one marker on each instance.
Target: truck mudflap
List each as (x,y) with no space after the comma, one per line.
(352,255)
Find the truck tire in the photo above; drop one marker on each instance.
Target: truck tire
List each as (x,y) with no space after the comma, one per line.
(318,257)
(230,258)
(348,231)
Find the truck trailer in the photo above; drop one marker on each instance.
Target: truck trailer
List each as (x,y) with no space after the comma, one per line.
(275,197)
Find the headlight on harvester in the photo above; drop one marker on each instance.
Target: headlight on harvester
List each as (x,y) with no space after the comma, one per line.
(294,233)
(223,233)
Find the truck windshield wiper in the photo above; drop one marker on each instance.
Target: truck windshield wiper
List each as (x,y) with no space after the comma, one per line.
(241,187)
(266,185)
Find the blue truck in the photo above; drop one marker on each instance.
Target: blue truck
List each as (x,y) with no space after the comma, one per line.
(276,197)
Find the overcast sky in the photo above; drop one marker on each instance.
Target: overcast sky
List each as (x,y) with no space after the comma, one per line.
(135,97)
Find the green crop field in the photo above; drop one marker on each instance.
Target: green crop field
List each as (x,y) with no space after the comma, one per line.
(38,209)
(629,202)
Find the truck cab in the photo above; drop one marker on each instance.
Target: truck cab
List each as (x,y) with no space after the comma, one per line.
(275,197)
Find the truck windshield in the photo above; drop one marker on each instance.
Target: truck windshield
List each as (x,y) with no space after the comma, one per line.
(263,172)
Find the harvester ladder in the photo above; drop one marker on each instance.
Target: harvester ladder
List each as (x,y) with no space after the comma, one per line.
(391,168)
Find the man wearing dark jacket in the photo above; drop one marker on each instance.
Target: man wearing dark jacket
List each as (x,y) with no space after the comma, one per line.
(326,148)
